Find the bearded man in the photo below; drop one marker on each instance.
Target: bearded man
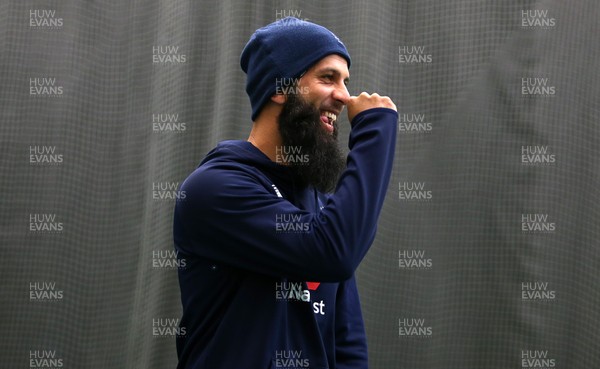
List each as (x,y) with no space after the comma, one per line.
(272,229)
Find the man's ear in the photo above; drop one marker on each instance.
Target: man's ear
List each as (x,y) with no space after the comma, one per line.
(278,99)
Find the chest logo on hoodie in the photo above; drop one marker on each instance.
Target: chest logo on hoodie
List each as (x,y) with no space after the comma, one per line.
(294,291)
(316,306)
(313,285)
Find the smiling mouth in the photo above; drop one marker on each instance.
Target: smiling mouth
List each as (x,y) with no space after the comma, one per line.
(328,118)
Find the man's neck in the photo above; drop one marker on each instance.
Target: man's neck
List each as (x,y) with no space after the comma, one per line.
(265,135)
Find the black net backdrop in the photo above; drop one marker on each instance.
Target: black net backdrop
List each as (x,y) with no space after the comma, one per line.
(487,248)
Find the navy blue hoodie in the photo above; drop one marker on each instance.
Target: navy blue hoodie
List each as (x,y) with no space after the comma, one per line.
(251,241)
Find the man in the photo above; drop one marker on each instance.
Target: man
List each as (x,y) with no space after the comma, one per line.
(270,258)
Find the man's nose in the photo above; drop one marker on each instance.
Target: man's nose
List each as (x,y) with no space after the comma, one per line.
(341,94)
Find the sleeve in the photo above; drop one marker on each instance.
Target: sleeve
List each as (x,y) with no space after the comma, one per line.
(350,337)
(229,217)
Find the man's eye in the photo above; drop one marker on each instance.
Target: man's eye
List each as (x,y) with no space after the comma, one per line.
(328,77)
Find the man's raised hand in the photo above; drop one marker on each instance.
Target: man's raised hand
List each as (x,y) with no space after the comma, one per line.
(364,101)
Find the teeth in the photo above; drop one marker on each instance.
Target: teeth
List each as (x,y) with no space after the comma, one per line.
(330,115)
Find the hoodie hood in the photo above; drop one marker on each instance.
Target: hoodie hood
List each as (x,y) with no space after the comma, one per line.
(238,152)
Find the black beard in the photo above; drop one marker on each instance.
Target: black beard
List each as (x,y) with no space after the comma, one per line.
(319,161)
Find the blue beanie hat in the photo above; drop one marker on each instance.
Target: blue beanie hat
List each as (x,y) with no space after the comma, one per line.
(284,49)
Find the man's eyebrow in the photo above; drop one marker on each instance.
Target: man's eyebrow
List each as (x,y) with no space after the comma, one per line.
(334,71)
